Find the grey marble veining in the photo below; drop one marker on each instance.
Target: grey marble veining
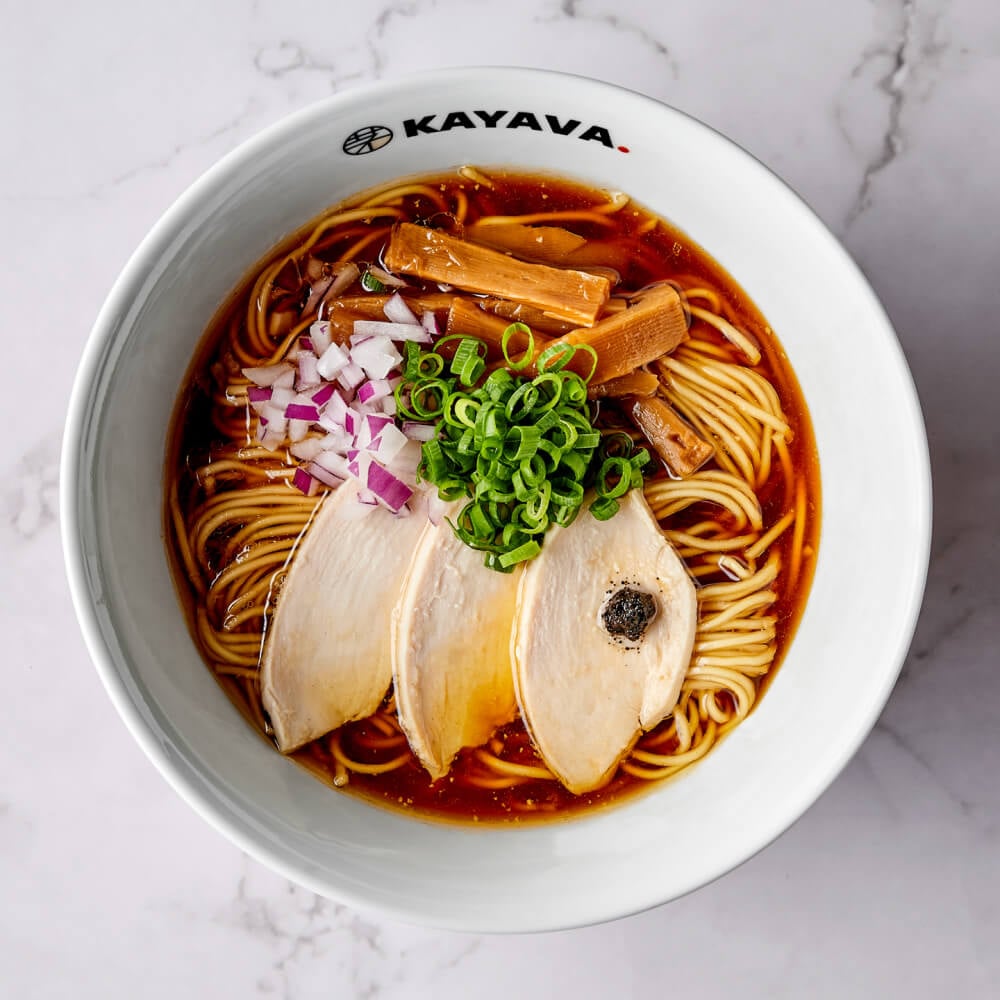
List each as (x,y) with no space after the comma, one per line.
(882,114)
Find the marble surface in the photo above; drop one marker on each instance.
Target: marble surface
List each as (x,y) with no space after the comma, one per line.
(882,113)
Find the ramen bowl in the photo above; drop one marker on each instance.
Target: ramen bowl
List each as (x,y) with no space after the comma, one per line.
(873,546)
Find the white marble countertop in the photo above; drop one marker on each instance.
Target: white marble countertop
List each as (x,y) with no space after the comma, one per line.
(883,114)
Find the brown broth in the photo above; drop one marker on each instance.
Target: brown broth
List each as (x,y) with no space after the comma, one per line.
(643,257)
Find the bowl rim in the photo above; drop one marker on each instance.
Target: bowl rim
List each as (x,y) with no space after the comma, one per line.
(191,785)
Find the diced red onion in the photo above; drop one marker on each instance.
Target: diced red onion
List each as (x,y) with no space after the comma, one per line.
(296,411)
(333,361)
(303,481)
(336,409)
(377,422)
(307,449)
(377,357)
(373,390)
(337,440)
(429,322)
(398,311)
(362,438)
(389,442)
(308,370)
(393,492)
(363,409)
(365,328)
(418,432)
(323,395)
(363,433)
(298,429)
(319,333)
(281,397)
(358,464)
(273,414)
(351,376)
(258,394)
(332,463)
(324,475)
(268,374)
(273,437)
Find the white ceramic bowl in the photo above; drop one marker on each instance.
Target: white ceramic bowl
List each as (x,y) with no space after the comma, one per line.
(872,556)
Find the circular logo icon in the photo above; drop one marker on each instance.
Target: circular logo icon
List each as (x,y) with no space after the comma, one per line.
(367,140)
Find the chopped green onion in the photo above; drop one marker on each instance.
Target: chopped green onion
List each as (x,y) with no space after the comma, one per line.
(547,421)
(574,463)
(522,450)
(565,515)
(497,384)
(521,401)
(533,470)
(555,358)
(520,443)
(587,349)
(566,492)
(574,389)
(461,410)
(529,351)
(614,479)
(604,509)
(432,460)
(614,444)
(370,283)
(468,363)
(522,553)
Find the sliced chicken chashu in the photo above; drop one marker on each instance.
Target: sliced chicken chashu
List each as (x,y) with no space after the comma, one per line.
(602,640)
(451,649)
(327,659)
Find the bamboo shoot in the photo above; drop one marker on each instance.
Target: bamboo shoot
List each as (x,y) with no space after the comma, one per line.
(674,441)
(566,294)
(634,384)
(625,341)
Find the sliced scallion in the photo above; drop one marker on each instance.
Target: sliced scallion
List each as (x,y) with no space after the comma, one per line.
(521,447)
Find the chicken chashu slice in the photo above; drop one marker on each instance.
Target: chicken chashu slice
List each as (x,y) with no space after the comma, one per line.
(451,648)
(326,658)
(589,680)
